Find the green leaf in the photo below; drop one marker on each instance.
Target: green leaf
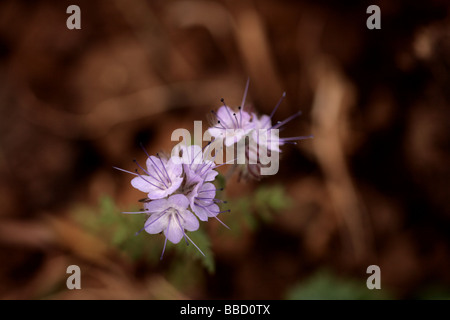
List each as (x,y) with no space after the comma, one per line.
(220,181)
(201,239)
(270,199)
(184,274)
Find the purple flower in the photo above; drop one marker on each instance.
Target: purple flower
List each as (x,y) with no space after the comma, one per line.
(231,127)
(161,178)
(203,201)
(265,123)
(196,168)
(264,135)
(171,217)
(172,186)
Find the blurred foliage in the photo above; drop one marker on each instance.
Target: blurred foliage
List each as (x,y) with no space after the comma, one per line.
(258,207)
(201,239)
(324,285)
(434,292)
(220,181)
(123,231)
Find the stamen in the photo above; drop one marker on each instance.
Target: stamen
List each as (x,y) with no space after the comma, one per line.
(200,168)
(134,212)
(207,164)
(193,160)
(160,215)
(164,248)
(143,148)
(140,176)
(229,210)
(209,205)
(204,150)
(218,118)
(220,201)
(201,198)
(237,122)
(199,205)
(156,170)
(205,205)
(195,245)
(240,116)
(145,171)
(209,190)
(125,171)
(296,138)
(289,142)
(228,162)
(222,223)
(245,92)
(279,124)
(164,167)
(182,229)
(207,145)
(148,173)
(212,200)
(276,107)
(228,111)
(165,241)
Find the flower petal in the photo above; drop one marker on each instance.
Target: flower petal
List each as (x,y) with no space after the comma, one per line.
(190,222)
(225,114)
(154,166)
(142,185)
(156,205)
(201,212)
(156,223)
(211,175)
(193,154)
(156,194)
(174,232)
(231,139)
(213,210)
(176,183)
(245,120)
(207,190)
(264,122)
(217,133)
(179,200)
(173,168)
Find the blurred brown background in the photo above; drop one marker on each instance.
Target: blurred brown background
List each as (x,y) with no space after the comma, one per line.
(372,187)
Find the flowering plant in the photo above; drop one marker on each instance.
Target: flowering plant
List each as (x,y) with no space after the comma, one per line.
(180,189)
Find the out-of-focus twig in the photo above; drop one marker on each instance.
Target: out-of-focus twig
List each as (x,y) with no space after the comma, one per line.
(27,234)
(105,273)
(333,98)
(247,27)
(256,52)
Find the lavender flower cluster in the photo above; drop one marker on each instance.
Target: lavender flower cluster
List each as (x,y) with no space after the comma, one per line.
(179,188)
